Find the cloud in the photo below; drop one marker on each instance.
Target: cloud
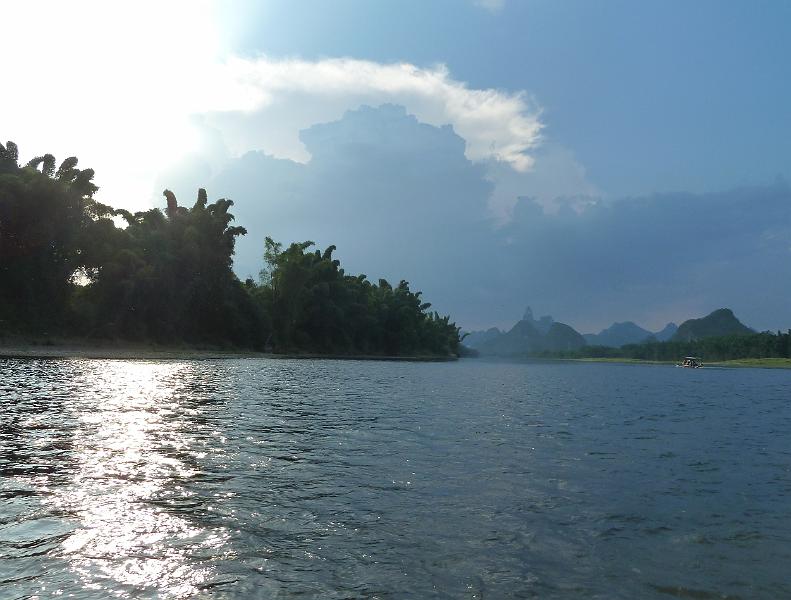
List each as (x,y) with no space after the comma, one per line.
(120,87)
(659,257)
(555,179)
(400,199)
(494,6)
(495,124)
(389,190)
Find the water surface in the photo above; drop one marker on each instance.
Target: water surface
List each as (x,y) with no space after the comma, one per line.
(343,479)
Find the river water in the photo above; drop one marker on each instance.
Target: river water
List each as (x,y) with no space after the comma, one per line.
(341,479)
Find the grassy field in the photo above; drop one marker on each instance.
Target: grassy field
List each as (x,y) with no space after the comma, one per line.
(762,363)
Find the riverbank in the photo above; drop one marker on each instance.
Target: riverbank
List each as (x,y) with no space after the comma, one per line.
(755,363)
(761,363)
(129,351)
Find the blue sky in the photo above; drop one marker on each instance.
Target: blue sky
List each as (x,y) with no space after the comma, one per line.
(600,161)
(650,96)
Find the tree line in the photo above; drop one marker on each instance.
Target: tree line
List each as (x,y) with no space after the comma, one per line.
(728,347)
(72,266)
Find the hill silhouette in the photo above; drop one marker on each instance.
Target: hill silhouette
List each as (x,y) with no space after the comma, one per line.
(716,324)
(628,332)
(528,336)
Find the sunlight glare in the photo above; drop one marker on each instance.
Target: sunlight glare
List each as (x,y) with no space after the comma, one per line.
(134,451)
(132,73)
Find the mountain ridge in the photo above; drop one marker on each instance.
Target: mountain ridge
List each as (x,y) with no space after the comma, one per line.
(627,332)
(532,336)
(717,323)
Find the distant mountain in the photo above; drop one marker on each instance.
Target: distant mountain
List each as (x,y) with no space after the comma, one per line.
(562,337)
(720,322)
(620,334)
(542,325)
(667,333)
(474,339)
(520,339)
(530,336)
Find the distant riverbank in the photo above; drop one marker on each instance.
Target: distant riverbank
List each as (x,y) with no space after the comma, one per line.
(130,351)
(761,363)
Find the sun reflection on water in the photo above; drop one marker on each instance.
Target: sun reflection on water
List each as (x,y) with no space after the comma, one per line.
(137,450)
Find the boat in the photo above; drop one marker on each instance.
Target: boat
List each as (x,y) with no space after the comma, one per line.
(691,362)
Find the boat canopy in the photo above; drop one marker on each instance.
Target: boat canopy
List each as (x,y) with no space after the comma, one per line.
(691,361)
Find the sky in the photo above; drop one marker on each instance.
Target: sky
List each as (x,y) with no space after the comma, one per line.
(598,161)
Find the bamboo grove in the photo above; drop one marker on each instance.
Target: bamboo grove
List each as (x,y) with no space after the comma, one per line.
(73,267)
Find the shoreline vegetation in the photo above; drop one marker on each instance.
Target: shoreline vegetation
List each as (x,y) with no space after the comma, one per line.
(759,363)
(765,349)
(82,349)
(72,268)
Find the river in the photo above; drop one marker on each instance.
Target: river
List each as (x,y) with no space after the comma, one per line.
(256,478)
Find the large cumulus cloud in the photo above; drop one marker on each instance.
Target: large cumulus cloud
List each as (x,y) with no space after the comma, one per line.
(122,88)
(402,199)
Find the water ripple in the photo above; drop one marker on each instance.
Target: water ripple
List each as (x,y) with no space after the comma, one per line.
(341,479)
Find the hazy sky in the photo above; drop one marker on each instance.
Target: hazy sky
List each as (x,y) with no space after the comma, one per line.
(600,161)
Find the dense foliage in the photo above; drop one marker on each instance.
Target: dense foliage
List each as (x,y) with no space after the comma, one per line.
(47,221)
(68,268)
(728,347)
(316,306)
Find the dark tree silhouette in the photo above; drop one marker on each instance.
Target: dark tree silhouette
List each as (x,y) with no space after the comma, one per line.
(67,268)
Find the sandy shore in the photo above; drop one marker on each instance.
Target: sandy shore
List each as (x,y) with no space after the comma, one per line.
(120,353)
(16,349)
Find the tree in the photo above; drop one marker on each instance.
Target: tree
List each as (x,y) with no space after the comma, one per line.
(314,306)
(66,267)
(45,218)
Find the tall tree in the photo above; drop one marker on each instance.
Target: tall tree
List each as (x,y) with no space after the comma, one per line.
(44,220)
